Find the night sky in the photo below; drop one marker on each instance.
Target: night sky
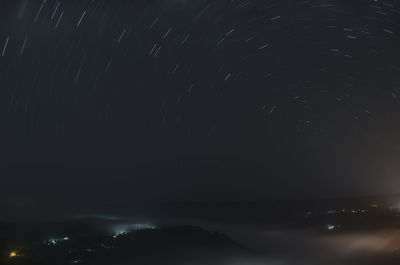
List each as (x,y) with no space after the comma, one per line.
(110,102)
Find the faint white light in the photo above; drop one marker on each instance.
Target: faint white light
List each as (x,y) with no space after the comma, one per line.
(331,227)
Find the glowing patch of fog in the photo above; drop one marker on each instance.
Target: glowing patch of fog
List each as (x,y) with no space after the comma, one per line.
(120,225)
(126,228)
(382,241)
(298,247)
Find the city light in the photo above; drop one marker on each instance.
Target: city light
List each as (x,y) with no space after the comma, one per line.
(54,241)
(13,254)
(331,227)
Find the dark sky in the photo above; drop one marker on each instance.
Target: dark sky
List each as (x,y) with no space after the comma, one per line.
(107,102)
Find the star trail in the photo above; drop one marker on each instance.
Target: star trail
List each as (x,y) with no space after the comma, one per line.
(198,99)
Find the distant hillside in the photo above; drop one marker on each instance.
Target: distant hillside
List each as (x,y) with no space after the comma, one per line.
(85,245)
(270,212)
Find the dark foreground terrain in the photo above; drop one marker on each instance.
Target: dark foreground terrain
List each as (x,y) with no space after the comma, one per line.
(341,231)
(80,244)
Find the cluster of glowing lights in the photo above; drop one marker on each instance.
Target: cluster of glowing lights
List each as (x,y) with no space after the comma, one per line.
(54,241)
(332,227)
(119,234)
(345,211)
(14,254)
